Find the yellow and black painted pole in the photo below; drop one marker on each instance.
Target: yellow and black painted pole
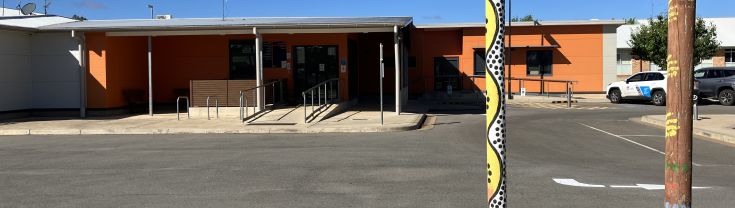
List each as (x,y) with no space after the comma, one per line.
(495,102)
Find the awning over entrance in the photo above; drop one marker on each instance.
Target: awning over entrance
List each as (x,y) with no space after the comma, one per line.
(257,26)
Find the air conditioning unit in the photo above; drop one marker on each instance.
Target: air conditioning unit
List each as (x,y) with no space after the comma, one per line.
(164,17)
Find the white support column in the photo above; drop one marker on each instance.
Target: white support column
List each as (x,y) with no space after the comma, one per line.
(260,99)
(150,76)
(82,49)
(396,48)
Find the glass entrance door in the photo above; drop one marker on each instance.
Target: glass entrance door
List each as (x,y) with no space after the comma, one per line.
(313,65)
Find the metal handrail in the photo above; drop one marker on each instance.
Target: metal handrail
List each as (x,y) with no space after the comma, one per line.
(188,110)
(244,112)
(216,104)
(327,84)
(569,86)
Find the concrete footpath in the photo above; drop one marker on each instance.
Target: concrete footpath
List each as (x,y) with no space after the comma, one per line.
(349,121)
(716,127)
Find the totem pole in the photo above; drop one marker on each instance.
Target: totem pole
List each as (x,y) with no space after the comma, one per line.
(495,102)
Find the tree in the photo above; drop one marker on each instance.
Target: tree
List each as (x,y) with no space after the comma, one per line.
(630,21)
(77,17)
(650,43)
(527,18)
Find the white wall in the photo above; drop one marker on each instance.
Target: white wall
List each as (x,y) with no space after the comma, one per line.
(55,67)
(38,71)
(15,70)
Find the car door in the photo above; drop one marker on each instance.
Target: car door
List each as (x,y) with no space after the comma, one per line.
(708,84)
(650,82)
(631,85)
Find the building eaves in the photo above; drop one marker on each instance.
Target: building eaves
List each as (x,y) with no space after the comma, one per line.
(523,24)
(232,23)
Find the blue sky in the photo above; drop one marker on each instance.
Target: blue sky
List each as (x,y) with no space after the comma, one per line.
(423,11)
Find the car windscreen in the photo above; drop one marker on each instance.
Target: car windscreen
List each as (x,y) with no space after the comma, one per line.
(699,74)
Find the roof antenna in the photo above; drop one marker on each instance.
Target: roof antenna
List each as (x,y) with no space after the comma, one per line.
(46,4)
(3,8)
(224,2)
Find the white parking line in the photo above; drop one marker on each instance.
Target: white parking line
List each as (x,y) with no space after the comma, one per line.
(628,140)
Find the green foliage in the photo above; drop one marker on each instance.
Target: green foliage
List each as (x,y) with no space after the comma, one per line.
(77,17)
(651,42)
(527,18)
(630,21)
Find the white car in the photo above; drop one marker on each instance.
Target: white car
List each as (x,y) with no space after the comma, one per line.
(641,86)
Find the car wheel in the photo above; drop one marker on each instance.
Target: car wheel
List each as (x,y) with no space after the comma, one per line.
(659,98)
(727,97)
(615,96)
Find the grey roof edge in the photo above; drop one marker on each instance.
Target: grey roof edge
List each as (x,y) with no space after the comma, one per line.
(520,24)
(406,21)
(18,28)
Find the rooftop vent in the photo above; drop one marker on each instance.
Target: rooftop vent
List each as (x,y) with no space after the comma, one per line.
(164,17)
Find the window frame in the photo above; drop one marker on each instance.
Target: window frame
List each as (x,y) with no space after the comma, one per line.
(731,53)
(542,69)
(475,63)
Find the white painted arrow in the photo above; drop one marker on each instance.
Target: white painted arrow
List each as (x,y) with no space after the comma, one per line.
(572,182)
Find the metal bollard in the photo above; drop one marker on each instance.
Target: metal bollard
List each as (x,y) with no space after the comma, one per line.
(569,96)
(216,107)
(696,108)
(208,118)
(242,111)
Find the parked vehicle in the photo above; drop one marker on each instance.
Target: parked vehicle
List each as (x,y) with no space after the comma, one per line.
(641,86)
(716,84)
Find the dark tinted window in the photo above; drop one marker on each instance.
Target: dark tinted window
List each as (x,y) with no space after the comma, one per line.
(479,61)
(636,78)
(654,77)
(715,73)
(729,73)
(539,63)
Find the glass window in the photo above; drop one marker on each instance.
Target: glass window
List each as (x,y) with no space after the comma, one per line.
(729,73)
(729,55)
(539,63)
(699,74)
(446,73)
(242,59)
(624,58)
(274,55)
(711,74)
(479,61)
(636,78)
(654,77)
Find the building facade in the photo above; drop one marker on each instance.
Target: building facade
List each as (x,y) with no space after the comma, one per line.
(627,64)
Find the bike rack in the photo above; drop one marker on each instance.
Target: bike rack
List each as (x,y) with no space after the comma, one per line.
(188,114)
(216,104)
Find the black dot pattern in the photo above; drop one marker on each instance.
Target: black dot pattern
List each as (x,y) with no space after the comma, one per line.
(495,62)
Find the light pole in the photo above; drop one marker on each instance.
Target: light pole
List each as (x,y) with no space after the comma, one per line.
(150,6)
(510,50)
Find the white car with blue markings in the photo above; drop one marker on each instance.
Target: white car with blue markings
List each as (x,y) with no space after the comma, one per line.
(641,86)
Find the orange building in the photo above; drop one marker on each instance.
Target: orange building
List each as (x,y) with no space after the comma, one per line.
(131,61)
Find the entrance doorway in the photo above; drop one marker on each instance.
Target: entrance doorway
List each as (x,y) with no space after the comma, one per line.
(314,64)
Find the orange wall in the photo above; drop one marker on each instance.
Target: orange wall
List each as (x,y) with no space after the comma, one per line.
(120,63)
(579,56)
(115,64)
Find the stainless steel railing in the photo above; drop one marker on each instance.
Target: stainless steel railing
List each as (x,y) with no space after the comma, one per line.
(216,104)
(329,94)
(188,110)
(244,112)
(569,86)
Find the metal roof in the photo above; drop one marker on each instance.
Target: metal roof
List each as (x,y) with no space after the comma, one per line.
(14,20)
(521,24)
(232,23)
